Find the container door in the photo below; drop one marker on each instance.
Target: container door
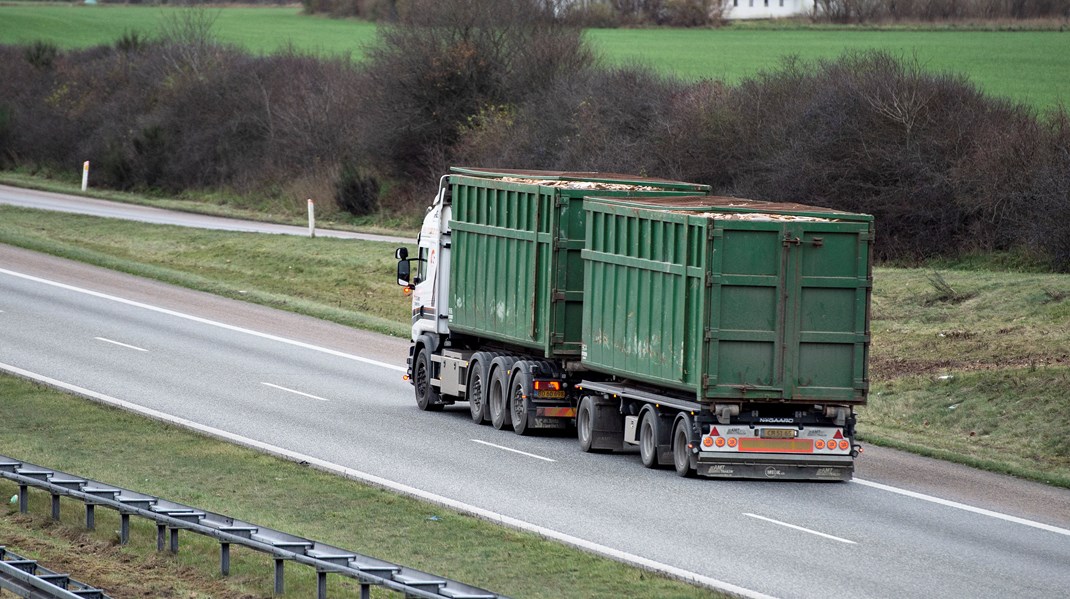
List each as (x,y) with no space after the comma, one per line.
(787,311)
(829,334)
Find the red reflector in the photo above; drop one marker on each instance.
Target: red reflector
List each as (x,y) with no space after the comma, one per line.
(548,385)
(838,435)
(713,432)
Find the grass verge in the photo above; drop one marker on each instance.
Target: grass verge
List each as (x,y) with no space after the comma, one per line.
(71,434)
(990,324)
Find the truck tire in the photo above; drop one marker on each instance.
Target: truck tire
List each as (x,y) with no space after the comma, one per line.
(585,426)
(476,387)
(648,440)
(498,398)
(681,453)
(427,399)
(519,398)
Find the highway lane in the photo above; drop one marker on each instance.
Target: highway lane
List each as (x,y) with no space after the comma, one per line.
(876,543)
(57,202)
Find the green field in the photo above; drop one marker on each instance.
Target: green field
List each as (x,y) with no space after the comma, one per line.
(1030,66)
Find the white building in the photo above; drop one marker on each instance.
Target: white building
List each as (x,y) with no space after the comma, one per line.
(766,9)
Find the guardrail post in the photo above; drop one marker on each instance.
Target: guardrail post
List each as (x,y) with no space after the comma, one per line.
(174,540)
(321,585)
(124,529)
(24,499)
(365,591)
(55,507)
(224,559)
(280,584)
(90,516)
(161,533)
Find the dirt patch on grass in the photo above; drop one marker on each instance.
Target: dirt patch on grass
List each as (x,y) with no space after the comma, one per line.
(105,565)
(892,368)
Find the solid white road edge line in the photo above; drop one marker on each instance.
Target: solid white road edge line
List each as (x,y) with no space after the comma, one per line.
(530,455)
(204,320)
(799,528)
(119,344)
(372,479)
(963,506)
(294,391)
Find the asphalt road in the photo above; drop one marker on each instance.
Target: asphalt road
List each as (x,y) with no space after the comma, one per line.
(335,394)
(44,200)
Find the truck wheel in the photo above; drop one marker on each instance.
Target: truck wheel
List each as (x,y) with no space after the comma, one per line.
(427,399)
(681,453)
(498,398)
(648,441)
(585,426)
(476,387)
(518,402)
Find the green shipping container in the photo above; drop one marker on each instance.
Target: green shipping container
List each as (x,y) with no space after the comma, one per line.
(729,299)
(516,274)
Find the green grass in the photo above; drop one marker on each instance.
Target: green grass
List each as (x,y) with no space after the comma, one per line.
(1028,66)
(70,434)
(347,281)
(1003,324)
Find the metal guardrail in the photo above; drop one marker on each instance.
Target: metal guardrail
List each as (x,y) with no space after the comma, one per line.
(172,517)
(27,578)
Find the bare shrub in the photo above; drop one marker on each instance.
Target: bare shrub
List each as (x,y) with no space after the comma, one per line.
(445,61)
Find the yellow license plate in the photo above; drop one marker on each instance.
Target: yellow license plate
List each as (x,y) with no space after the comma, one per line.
(778,433)
(550,394)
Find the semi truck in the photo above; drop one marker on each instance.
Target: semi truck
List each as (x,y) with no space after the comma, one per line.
(721,336)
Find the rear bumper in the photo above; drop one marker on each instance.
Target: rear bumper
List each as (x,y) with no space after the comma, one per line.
(775,466)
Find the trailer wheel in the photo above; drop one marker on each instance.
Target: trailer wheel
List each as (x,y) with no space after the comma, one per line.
(585,426)
(518,401)
(681,453)
(648,440)
(498,398)
(427,399)
(476,387)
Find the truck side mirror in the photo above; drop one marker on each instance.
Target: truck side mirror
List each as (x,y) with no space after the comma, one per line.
(403,272)
(401,253)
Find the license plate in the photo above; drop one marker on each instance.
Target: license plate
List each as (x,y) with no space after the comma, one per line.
(778,433)
(550,394)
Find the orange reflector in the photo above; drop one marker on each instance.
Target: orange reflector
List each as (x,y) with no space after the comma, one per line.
(719,441)
(707,441)
(845,445)
(820,444)
(731,441)
(838,435)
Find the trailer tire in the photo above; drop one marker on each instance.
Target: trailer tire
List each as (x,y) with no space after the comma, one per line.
(681,453)
(498,399)
(427,399)
(585,426)
(476,387)
(648,440)
(519,398)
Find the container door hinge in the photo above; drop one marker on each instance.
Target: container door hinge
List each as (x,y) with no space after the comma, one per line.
(789,240)
(709,279)
(708,335)
(557,296)
(705,381)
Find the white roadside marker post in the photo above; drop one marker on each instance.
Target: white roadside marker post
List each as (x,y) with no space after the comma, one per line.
(311,218)
(85,175)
